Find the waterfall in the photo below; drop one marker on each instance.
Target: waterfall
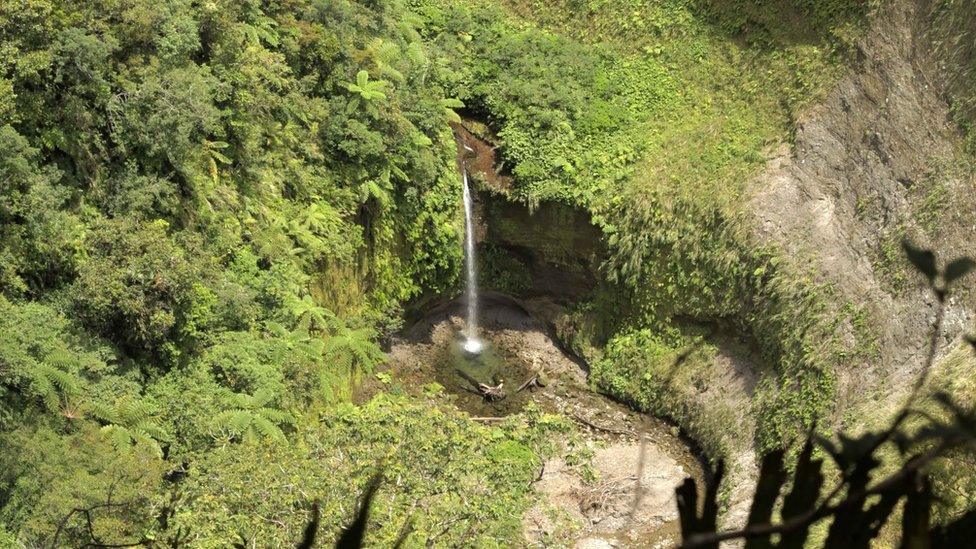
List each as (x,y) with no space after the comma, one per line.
(471,344)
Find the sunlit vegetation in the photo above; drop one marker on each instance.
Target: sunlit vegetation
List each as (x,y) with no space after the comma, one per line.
(213,213)
(653,116)
(209,212)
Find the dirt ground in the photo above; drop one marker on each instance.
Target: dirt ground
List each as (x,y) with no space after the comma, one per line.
(637,461)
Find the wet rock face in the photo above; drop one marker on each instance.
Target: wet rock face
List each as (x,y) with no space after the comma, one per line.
(478,150)
(556,247)
(551,250)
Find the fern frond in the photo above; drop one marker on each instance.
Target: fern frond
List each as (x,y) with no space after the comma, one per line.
(276,329)
(62,360)
(132,411)
(240,421)
(67,383)
(277,416)
(104,412)
(260,398)
(153,430)
(120,437)
(267,429)
(42,385)
(416,54)
(141,439)
(238,400)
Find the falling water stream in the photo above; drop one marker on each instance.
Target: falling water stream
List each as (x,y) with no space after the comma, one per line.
(472,344)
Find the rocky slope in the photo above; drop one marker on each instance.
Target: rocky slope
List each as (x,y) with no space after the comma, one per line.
(876,161)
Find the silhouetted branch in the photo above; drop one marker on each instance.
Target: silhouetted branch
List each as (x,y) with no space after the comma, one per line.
(91,529)
(311,529)
(854,524)
(353,535)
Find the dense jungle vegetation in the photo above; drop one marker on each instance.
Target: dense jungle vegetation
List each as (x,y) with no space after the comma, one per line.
(212,214)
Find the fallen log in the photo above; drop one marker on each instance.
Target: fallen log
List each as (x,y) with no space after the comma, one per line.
(531,382)
(491,393)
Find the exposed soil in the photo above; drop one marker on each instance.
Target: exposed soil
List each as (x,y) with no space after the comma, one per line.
(861,164)
(480,156)
(637,460)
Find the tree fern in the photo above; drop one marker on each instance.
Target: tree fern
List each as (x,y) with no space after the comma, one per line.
(299,339)
(310,316)
(250,418)
(129,422)
(54,379)
(347,352)
(350,348)
(35,361)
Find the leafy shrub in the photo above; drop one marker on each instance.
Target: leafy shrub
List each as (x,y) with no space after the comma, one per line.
(435,455)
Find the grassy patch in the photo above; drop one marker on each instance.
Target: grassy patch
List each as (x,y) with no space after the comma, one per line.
(954,32)
(661,378)
(686,91)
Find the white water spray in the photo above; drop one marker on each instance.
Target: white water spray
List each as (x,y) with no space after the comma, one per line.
(472,344)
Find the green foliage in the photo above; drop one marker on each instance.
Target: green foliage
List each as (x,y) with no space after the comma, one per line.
(457,482)
(136,286)
(889,263)
(349,348)
(250,418)
(130,422)
(181,180)
(232,132)
(42,368)
(660,378)
(187,401)
(581,94)
(6,538)
(46,476)
(347,352)
(39,240)
(702,266)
